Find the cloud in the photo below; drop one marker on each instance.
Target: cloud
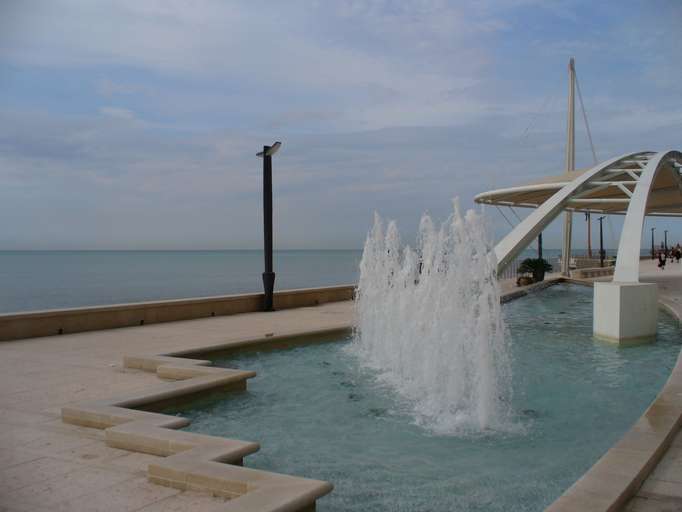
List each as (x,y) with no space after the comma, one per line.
(402,54)
(109,88)
(117,112)
(136,123)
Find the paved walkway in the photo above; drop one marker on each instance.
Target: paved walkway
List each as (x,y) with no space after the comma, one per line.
(662,491)
(48,465)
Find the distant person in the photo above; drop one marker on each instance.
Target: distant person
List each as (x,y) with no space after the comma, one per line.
(661,260)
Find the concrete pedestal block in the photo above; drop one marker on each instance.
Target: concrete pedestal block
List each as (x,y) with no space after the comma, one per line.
(625,313)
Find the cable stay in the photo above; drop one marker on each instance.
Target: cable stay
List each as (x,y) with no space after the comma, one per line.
(515,214)
(587,124)
(511,224)
(505,217)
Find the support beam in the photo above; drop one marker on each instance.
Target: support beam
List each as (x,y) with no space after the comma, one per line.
(625,310)
(524,232)
(627,266)
(566,247)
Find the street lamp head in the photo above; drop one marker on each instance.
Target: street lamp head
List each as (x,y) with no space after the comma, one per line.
(271,150)
(274,148)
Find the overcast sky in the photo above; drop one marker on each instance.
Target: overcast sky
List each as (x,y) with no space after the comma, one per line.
(134,124)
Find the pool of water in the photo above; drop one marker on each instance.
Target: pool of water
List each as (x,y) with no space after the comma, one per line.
(318,414)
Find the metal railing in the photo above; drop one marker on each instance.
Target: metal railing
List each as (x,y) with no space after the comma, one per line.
(511,271)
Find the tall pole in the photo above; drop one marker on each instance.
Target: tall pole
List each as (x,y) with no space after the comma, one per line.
(570,166)
(589,235)
(601,243)
(540,246)
(653,247)
(665,237)
(268,275)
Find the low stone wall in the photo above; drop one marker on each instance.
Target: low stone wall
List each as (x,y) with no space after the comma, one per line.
(589,273)
(62,321)
(525,290)
(591,262)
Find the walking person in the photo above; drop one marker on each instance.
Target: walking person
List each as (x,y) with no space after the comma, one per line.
(661,260)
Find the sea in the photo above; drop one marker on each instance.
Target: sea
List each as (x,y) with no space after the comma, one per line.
(39,280)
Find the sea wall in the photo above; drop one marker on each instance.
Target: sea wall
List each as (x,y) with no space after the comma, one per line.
(62,321)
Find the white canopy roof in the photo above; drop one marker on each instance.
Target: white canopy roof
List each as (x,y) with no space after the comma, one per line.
(601,197)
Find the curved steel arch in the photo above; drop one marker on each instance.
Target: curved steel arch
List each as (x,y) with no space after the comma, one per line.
(627,262)
(522,235)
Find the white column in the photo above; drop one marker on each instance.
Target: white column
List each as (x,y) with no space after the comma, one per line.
(625,310)
(625,313)
(570,166)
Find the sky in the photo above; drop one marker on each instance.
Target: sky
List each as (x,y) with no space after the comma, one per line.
(135,125)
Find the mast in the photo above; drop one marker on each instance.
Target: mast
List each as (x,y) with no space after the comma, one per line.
(570,166)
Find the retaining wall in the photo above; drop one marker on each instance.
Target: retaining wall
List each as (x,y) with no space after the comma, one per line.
(62,321)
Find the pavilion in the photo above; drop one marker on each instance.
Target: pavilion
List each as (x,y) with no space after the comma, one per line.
(634,185)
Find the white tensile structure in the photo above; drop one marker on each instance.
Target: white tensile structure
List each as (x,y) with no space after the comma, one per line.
(634,185)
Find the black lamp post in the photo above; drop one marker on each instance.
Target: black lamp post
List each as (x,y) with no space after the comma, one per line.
(653,247)
(601,242)
(540,246)
(589,235)
(268,275)
(665,244)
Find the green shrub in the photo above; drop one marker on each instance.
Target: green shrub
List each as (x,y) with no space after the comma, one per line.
(534,265)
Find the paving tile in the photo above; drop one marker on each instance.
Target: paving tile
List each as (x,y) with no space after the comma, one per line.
(22,508)
(186,501)
(135,462)
(654,488)
(92,452)
(668,470)
(14,417)
(54,443)
(59,427)
(10,456)
(53,492)
(126,496)
(14,436)
(639,504)
(28,473)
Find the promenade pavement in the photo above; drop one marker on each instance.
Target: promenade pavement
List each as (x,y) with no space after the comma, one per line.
(662,491)
(46,465)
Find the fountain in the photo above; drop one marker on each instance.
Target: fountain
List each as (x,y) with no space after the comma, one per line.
(429,321)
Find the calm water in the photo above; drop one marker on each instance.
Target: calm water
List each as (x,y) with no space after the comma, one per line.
(32,280)
(573,397)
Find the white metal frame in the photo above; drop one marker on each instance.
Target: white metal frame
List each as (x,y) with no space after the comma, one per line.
(599,177)
(627,262)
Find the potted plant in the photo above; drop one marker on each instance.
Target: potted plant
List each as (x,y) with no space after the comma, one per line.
(535,266)
(524,280)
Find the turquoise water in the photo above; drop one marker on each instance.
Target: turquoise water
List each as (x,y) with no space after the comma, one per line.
(317,414)
(31,280)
